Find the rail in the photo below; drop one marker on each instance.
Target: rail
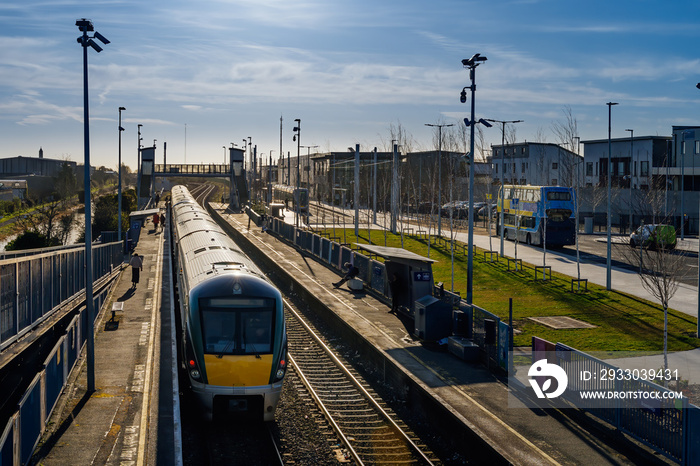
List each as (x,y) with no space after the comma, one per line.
(368,431)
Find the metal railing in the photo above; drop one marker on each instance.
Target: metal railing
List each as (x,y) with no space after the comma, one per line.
(33,287)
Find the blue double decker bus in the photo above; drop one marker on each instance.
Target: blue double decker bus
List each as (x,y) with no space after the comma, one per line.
(531,212)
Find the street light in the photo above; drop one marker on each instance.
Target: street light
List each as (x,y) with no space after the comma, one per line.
(308,166)
(119,169)
(297,138)
(471,63)
(608,275)
(439,182)
(138,163)
(631,164)
(85,26)
(503,150)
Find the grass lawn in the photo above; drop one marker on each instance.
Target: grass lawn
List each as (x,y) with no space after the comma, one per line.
(623,322)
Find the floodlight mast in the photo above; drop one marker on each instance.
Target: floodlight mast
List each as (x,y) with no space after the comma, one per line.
(85,26)
(471,63)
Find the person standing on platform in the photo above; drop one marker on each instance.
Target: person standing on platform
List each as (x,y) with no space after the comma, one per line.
(396,288)
(156,219)
(136,264)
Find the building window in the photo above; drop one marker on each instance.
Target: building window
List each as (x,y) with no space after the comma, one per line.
(555,165)
(596,169)
(589,168)
(644,168)
(495,169)
(697,147)
(522,151)
(522,168)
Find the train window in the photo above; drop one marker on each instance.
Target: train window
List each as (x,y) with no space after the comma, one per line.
(256,332)
(237,326)
(219,329)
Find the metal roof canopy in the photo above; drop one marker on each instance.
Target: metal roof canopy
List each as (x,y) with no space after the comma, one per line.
(143,213)
(395,254)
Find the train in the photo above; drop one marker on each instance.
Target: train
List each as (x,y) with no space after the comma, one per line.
(292,197)
(233,333)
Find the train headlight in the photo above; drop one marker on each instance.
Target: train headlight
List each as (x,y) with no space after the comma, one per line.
(281,370)
(194,372)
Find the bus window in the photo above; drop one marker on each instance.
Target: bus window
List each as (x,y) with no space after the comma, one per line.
(558,196)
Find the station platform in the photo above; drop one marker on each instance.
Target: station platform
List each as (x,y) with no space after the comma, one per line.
(128,419)
(477,397)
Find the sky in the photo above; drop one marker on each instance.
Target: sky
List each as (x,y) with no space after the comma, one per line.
(203,74)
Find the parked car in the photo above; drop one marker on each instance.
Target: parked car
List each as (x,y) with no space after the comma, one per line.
(654,236)
(459,209)
(483,212)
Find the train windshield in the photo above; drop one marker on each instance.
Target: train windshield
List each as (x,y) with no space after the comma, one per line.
(237,326)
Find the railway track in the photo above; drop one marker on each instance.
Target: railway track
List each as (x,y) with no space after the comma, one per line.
(369,431)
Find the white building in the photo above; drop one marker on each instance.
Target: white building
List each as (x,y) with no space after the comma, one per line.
(635,160)
(534,163)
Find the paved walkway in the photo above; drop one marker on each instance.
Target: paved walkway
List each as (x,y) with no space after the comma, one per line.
(119,423)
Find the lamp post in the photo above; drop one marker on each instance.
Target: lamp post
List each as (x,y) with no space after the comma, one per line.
(471,63)
(119,171)
(85,40)
(138,163)
(250,168)
(439,180)
(503,166)
(297,138)
(308,167)
(631,174)
(608,275)
(697,331)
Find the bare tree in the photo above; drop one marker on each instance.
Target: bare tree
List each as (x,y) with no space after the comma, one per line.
(659,265)
(566,133)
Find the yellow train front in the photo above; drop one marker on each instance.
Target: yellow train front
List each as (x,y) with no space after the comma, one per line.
(234,344)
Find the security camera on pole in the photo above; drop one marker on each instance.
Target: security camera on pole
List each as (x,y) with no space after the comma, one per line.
(471,63)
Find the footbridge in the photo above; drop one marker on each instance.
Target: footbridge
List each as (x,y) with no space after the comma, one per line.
(149,170)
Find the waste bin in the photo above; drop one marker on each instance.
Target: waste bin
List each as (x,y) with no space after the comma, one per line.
(588,225)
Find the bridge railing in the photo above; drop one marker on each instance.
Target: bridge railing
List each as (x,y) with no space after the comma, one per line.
(193,169)
(33,287)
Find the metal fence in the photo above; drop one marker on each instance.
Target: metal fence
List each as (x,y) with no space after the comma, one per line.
(669,426)
(33,287)
(669,430)
(20,436)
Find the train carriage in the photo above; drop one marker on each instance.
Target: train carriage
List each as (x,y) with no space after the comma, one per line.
(234,343)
